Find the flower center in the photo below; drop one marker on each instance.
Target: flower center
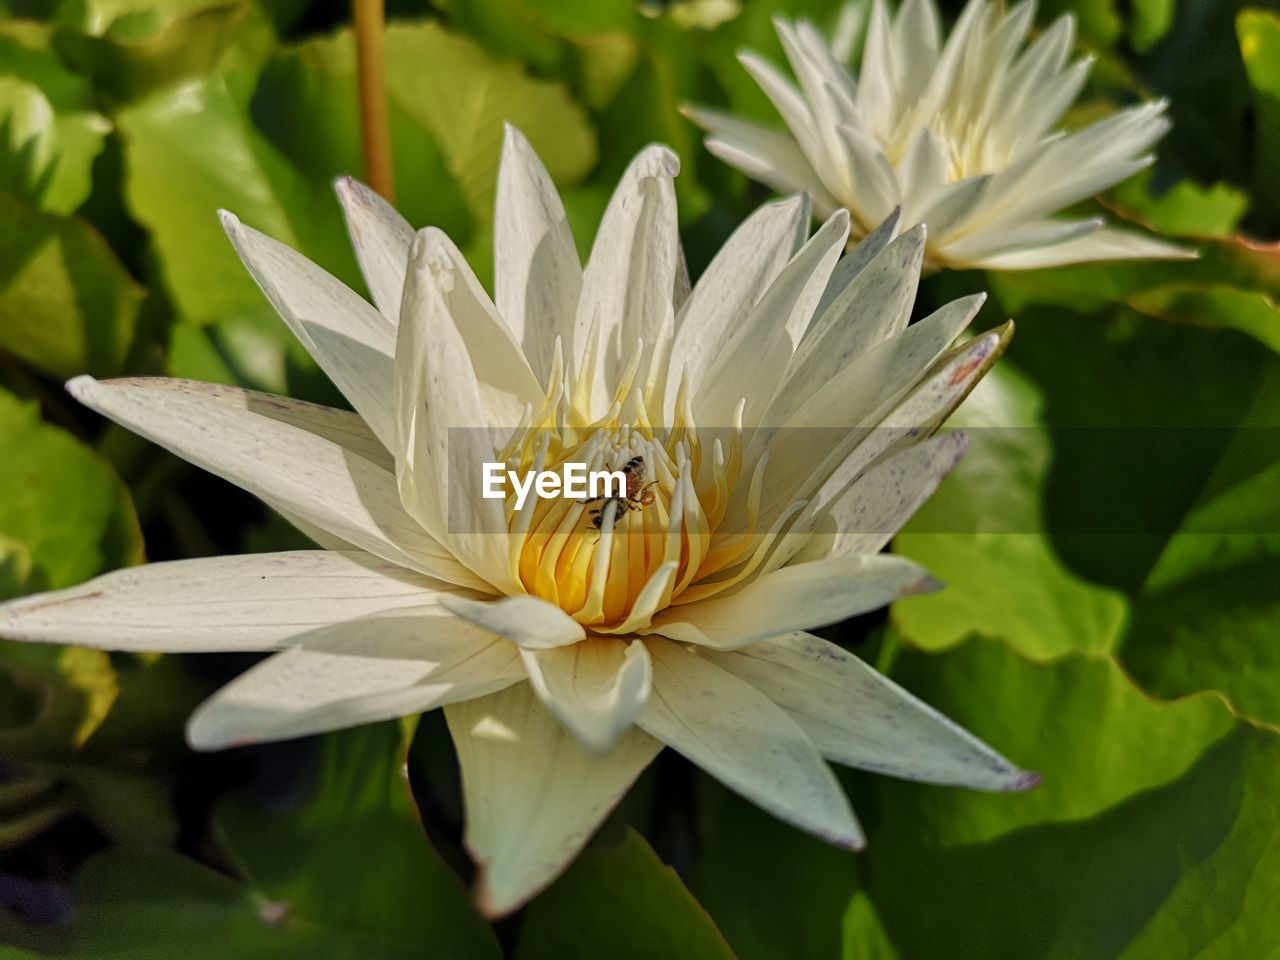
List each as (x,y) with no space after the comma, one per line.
(612,562)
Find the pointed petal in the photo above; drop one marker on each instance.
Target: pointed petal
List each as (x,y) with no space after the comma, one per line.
(301,291)
(1104,244)
(1035,234)
(533,796)
(876,100)
(899,393)
(744,740)
(506,383)
(875,190)
(537,275)
(630,275)
(447,424)
(795,597)
(381,239)
(752,362)
(853,262)
(254,602)
(732,284)
(262,443)
(859,717)
(532,623)
(795,113)
(875,306)
(869,514)
(374,668)
(595,688)
(763,154)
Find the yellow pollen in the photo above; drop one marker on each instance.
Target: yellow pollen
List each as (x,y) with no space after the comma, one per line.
(612,564)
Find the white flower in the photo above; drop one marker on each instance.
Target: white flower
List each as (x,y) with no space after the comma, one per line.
(566,657)
(963,137)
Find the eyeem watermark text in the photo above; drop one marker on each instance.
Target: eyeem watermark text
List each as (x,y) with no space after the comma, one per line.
(573,482)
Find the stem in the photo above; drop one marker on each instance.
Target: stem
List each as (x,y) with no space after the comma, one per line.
(375,131)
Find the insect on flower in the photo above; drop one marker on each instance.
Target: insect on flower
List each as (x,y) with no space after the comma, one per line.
(636,496)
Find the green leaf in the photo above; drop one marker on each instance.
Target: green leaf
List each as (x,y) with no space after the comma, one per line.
(129,49)
(49,131)
(1140,417)
(61,501)
(1207,615)
(983,531)
(622,903)
(1077,721)
(462,95)
(1259,35)
(742,852)
(192,150)
(318,79)
(67,305)
(1185,872)
(1184,208)
(267,141)
(1151,21)
(347,875)
(1235,283)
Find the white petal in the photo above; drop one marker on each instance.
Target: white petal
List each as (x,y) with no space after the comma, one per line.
(875,306)
(595,688)
(828,96)
(630,275)
(950,208)
(744,740)
(533,796)
(1104,244)
(381,239)
(763,154)
(802,596)
(892,393)
(1031,235)
(732,284)
(869,514)
(506,383)
(754,359)
(266,445)
(537,276)
(532,623)
(445,423)
(916,36)
(923,170)
(875,189)
(853,262)
(795,113)
(876,94)
(375,668)
(861,718)
(301,291)
(253,602)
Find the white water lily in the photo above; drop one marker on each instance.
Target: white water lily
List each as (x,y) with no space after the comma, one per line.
(566,657)
(964,137)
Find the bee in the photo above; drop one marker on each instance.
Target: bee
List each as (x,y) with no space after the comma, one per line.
(637,495)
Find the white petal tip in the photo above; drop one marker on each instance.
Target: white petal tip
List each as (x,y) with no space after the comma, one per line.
(1025,781)
(348,189)
(513,139)
(926,584)
(228,220)
(80,386)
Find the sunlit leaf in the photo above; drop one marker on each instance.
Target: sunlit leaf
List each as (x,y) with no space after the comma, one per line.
(49,131)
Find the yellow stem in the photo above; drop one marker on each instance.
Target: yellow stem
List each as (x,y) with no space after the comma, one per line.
(375,131)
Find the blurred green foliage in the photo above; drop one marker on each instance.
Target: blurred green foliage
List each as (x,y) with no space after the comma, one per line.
(1111,543)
